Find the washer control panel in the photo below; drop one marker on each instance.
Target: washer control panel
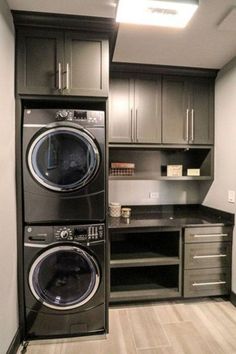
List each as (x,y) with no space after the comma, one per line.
(79,233)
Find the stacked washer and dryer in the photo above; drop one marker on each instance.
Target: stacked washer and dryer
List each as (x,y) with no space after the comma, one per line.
(63,156)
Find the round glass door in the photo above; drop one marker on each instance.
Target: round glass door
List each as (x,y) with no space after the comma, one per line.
(63,158)
(64,277)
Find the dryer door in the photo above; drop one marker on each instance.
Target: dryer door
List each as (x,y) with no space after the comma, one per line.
(63,158)
(64,277)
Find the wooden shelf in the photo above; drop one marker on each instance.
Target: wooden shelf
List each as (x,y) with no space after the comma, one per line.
(124,293)
(135,260)
(186,178)
(154,177)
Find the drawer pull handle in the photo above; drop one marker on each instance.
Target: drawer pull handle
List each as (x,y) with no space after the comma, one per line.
(210,256)
(210,235)
(209,283)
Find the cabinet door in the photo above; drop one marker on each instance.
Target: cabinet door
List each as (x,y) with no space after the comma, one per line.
(86,65)
(202,112)
(175,111)
(121,111)
(39,55)
(147,111)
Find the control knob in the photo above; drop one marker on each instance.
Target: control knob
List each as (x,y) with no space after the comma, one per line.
(64,234)
(62,115)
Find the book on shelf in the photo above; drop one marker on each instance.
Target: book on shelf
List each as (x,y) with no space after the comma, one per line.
(123,165)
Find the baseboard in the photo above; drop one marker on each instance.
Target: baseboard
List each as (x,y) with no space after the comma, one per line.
(233,298)
(15,343)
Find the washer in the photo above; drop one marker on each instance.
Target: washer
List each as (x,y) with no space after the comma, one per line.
(63,166)
(64,281)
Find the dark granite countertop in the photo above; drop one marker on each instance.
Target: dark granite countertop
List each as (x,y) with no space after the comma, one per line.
(174,216)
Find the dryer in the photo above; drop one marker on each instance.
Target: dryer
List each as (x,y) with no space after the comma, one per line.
(64,281)
(63,165)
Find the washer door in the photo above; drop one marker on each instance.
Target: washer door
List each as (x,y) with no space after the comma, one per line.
(63,158)
(64,277)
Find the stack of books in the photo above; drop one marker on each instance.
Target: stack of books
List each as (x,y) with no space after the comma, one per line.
(122,169)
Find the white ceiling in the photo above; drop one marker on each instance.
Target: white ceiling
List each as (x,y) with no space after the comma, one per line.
(206,42)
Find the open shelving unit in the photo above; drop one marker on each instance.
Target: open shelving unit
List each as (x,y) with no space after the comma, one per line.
(149,163)
(145,265)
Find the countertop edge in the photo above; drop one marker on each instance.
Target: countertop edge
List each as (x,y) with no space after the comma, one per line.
(158,217)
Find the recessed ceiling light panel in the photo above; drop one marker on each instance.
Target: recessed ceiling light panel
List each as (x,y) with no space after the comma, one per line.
(167,13)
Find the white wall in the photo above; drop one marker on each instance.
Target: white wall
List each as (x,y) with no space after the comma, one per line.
(225,146)
(8,256)
(137,192)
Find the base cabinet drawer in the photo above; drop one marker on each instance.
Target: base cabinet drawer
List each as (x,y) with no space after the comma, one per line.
(207,255)
(208,234)
(206,282)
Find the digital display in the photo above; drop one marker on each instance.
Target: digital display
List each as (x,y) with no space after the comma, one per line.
(80,231)
(80,115)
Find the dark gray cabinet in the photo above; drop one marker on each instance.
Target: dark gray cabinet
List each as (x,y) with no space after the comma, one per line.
(174,111)
(135,111)
(120,116)
(39,62)
(207,255)
(207,260)
(187,111)
(86,65)
(187,106)
(206,282)
(201,124)
(61,63)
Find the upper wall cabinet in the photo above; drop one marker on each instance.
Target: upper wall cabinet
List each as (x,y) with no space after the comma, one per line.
(187,111)
(135,111)
(201,124)
(61,63)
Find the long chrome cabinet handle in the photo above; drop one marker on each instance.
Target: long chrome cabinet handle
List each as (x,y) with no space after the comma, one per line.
(59,77)
(210,235)
(67,76)
(187,125)
(131,120)
(210,256)
(136,125)
(209,283)
(192,125)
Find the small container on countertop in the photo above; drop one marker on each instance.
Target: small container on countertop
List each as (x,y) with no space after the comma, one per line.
(126,212)
(115,209)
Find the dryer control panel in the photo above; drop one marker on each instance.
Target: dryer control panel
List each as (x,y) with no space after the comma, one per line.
(83,117)
(80,233)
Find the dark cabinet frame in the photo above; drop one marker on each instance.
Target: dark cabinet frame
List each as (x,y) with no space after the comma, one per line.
(49,67)
(135,110)
(187,110)
(207,260)
(33,64)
